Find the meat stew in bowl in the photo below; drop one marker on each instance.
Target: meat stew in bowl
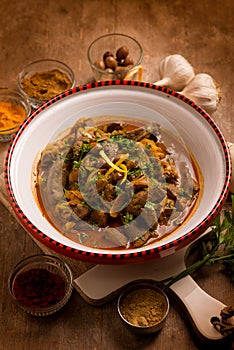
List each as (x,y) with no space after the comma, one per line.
(116,182)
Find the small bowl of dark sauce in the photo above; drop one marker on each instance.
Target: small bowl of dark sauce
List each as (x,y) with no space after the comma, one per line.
(41,284)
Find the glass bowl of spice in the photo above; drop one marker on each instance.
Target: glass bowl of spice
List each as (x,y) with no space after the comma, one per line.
(14,108)
(41,284)
(116,56)
(43,79)
(143,307)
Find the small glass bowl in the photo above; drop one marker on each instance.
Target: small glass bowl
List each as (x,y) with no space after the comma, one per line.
(143,307)
(111,43)
(11,97)
(45,84)
(41,284)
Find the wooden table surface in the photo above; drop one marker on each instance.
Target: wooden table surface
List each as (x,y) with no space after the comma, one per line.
(201,31)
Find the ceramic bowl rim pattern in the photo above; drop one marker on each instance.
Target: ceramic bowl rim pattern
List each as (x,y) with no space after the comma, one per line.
(115,257)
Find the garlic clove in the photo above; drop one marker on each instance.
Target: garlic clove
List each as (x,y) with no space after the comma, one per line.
(175,72)
(204,91)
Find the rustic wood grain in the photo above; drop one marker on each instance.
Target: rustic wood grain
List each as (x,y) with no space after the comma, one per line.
(30,30)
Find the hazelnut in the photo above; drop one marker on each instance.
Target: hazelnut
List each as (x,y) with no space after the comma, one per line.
(128,61)
(100,64)
(122,53)
(107,54)
(110,62)
(109,70)
(108,74)
(121,72)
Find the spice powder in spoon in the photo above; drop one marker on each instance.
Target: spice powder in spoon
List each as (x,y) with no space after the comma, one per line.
(143,307)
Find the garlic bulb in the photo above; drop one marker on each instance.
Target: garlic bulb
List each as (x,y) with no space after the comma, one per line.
(204,91)
(175,72)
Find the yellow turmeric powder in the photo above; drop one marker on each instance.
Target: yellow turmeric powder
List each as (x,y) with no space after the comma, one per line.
(11,115)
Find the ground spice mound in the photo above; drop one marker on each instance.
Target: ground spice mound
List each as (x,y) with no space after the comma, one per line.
(143,307)
(45,85)
(11,115)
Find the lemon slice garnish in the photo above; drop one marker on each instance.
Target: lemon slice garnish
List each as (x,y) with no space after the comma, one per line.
(118,166)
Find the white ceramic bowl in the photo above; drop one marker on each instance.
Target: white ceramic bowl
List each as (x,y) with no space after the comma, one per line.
(132,99)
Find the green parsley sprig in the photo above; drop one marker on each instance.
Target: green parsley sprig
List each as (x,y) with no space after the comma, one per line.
(219,248)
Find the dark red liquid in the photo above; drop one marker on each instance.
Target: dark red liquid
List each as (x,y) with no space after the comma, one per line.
(39,288)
